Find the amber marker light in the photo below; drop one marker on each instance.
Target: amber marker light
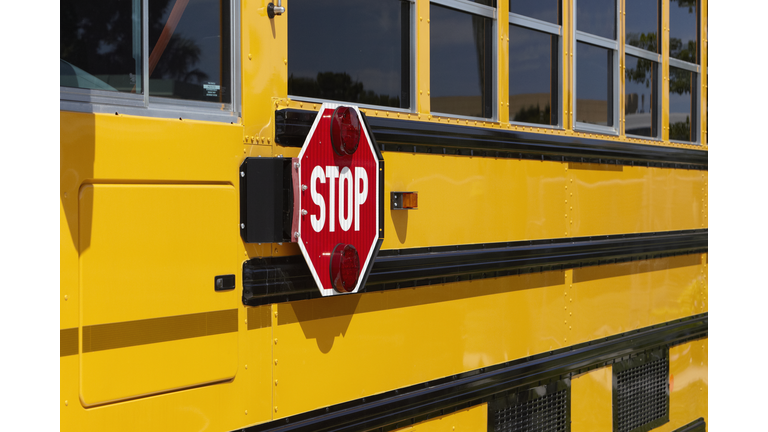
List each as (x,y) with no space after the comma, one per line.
(345,131)
(345,267)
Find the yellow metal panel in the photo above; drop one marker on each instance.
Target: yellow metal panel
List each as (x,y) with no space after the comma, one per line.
(470,420)
(336,349)
(152,251)
(568,48)
(688,382)
(422,57)
(632,295)
(592,401)
(502,63)
(69,298)
(264,50)
(615,199)
(121,373)
(141,149)
(464,200)
(622,67)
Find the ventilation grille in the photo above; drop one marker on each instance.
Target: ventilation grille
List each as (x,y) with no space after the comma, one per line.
(540,409)
(641,392)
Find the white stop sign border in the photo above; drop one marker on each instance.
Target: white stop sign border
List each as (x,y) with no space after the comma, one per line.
(366,264)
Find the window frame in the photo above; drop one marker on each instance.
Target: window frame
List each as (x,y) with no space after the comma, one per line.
(551,29)
(605,43)
(490,12)
(696,69)
(656,58)
(103,101)
(412,75)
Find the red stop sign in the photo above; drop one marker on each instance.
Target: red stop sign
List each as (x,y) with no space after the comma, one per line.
(337,201)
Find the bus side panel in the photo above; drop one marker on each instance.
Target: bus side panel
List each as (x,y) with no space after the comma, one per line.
(688,384)
(469,419)
(592,401)
(149,255)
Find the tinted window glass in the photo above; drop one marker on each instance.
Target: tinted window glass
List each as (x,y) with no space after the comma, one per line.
(545,10)
(460,68)
(533,76)
(189,49)
(642,22)
(683,30)
(363,55)
(597,17)
(100,45)
(491,3)
(640,99)
(594,85)
(682,105)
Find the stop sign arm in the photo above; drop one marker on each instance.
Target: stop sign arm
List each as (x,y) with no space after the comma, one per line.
(380,157)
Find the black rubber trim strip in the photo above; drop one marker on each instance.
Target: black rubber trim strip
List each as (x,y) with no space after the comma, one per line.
(472,388)
(292,127)
(282,279)
(698,425)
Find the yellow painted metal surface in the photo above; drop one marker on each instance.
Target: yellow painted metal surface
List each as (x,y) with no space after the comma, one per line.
(689,384)
(592,401)
(633,295)
(615,199)
(422,84)
(466,420)
(472,200)
(665,70)
(502,64)
(387,340)
(149,213)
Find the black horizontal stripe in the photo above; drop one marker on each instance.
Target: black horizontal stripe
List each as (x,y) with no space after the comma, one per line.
(475,387)
(280,279)
(697,425)
(292,127)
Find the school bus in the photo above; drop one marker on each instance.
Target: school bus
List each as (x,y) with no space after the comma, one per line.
(542,257)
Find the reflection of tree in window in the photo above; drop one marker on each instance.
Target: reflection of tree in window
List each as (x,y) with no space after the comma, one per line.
(646,41)
(338,86)
(680,84)
(188,52)
(101,40)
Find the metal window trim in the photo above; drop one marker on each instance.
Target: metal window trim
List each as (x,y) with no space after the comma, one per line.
(461,117)
(152,111)
(75,94)
(306,99)
(535,24)
(101,101)
(641,53)
(165,102)
(596,40)
(673,62)
(593,128)
(467,6)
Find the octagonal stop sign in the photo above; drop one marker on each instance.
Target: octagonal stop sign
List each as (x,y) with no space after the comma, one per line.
(338,199)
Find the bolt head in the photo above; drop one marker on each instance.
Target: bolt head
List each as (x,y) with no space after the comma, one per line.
(304,187)
(242,174)
(242,226)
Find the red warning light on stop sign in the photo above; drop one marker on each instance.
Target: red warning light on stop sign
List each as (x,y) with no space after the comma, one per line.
(337,183)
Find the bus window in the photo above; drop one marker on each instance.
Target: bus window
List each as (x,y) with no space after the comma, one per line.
(596,66)
(683,69)
(641,92)
(189,53)
(350,50)
(100,45)
(461,62)
(534,66)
